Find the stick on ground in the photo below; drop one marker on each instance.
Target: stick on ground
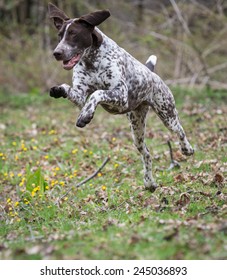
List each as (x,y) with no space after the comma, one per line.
(173,163)
(85,180)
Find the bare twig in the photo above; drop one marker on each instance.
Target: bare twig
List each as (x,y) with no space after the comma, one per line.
(203,80)
(85,180)
(180,17)
(173,163)
(217,68)
(217,85)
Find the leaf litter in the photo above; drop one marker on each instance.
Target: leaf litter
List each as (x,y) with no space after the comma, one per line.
(190,203)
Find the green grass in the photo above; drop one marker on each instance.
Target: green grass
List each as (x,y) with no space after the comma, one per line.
(110,217)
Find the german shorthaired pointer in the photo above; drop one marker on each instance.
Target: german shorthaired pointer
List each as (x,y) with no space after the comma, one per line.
(105,74)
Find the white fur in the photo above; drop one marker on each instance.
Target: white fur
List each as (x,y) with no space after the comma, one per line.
(152,59)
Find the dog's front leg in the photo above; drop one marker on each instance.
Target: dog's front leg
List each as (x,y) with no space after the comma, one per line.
(75,96)
(117,97)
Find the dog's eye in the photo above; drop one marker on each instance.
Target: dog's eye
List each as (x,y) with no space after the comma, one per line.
(71,33)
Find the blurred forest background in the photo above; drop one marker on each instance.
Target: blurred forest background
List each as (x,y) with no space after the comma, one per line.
(189,38)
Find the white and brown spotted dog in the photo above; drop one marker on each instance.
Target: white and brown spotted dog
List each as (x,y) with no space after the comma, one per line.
(105,74)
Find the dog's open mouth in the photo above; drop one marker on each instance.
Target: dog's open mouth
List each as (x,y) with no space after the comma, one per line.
(69,64)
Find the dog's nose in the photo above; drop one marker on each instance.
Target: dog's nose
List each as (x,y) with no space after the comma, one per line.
(58,54)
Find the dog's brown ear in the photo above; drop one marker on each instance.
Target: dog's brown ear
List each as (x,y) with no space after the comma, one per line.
(57,15)
(95,18)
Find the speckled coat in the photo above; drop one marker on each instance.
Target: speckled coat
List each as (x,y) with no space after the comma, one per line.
(107,75)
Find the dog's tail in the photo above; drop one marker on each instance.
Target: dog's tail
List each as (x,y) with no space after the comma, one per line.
(151,62)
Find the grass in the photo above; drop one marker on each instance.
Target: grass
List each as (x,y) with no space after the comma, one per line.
(110,217)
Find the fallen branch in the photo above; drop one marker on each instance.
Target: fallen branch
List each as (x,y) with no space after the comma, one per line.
(180,17)
(85,180)
(201,82)
(173,163)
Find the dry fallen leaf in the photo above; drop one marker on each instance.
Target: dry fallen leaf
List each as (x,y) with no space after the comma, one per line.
(183,200)
(218,179)
(179,178)
(135,238)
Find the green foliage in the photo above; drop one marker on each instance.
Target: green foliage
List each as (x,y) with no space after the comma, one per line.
(35,180)
(111,216)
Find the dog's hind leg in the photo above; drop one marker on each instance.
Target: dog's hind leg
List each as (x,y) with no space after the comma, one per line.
(164,105)
(137,120)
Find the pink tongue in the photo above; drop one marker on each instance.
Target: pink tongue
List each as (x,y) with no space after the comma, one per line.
(71,63)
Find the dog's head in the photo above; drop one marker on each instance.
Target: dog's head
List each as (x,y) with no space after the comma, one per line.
(75,35)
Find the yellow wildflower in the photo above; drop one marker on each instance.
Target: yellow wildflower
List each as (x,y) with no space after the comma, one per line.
(99,174)
(36,189)
(51,132)
(16,204)
(62,183)
(11,214)
(103,188)
(74,151)
(8,200)
(26,201)
(22,182)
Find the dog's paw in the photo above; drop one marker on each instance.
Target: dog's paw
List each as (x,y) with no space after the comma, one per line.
(150,185)
(84,119)
(187,151)
(151,188)
(58,92)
